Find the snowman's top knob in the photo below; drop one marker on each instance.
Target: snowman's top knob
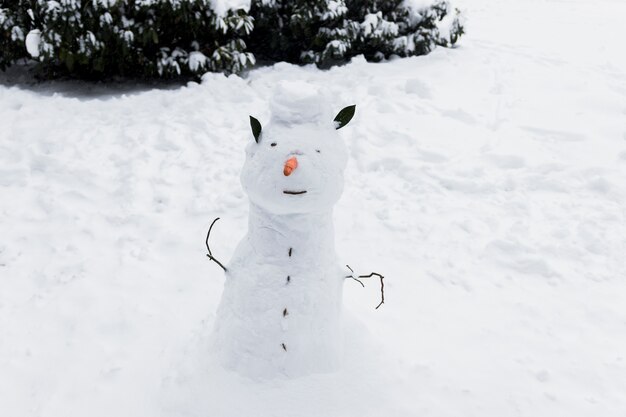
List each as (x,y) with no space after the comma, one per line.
(298,102)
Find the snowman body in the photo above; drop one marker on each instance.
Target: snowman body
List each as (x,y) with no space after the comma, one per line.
(280,312)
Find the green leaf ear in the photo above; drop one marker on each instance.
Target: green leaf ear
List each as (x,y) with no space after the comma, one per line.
(256,128)
(344,116)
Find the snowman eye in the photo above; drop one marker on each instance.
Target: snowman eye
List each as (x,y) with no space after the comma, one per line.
(273,144)
(317,150)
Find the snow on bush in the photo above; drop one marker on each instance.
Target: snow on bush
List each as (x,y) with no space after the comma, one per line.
(326,32)
(170,38)
(142,38)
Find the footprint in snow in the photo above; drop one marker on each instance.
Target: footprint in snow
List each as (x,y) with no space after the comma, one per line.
(600,185)
(507,161)
(460,115)
(555,135)
(428,156)
(417,87)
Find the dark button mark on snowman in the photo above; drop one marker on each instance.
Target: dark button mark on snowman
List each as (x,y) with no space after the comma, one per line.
(285,312)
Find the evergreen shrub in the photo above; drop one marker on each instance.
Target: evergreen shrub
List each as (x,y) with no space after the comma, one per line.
(98,39)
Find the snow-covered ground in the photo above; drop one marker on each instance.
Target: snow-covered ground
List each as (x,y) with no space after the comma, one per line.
(488,183)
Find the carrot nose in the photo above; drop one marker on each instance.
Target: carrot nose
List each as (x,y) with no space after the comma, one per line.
(290,165)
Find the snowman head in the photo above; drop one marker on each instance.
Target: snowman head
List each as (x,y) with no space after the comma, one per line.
(295,164)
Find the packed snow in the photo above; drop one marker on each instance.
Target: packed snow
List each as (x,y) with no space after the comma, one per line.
(281,309)
(33,40)
(221,7)
(487,183)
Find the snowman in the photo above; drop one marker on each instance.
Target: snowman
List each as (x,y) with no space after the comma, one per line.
(281,309)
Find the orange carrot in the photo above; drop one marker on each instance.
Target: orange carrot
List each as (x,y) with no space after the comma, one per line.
(290,165)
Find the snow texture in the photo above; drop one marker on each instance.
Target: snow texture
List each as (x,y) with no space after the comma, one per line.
(280,312)
(486,182)
(221,7)
(33,40)
(417,5)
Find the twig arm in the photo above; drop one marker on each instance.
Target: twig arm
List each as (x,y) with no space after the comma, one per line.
(358,279)
(208,248)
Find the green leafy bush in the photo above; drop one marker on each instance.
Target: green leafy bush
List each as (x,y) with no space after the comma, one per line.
(134,38)
(326,32)
(169,38)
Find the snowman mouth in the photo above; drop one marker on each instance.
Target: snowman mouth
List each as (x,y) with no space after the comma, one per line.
(294,192)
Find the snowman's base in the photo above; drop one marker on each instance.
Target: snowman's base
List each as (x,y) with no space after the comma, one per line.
(271,327)
(270,351)
(274,359)
(281,310)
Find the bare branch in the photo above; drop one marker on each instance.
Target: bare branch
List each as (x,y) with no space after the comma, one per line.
(382,286)
(357,280)
(372,274)
(208,248)
(352,276)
